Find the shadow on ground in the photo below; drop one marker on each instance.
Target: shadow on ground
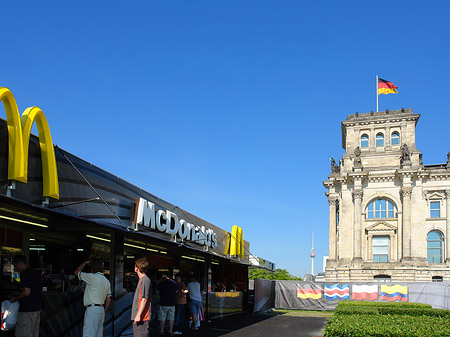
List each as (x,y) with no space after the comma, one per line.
(253,325)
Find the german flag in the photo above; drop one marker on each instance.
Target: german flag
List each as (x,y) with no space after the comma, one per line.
(386,87)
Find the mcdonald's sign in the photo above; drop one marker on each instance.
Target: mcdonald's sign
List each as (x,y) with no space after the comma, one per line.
(19,132)
(237,242)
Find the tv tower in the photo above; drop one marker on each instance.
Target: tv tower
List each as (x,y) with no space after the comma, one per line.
(313,255)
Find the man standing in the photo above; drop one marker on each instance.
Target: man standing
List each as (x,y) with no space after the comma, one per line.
(29,315)
(97,296)
(196,301)
(167,299)
(180,306)
(140,310)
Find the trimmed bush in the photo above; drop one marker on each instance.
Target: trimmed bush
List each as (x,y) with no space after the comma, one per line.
(382,304)
(387,319)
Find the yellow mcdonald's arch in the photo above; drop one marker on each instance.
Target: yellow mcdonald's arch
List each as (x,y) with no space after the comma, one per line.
(237,242)
(19,131)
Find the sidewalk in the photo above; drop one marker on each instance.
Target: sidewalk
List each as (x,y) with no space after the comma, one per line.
(253,325)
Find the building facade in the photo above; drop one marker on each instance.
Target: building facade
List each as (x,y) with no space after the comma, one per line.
(389,215)
(60,210)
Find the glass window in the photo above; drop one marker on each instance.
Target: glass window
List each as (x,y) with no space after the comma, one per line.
(435,209)
(380,139)
(364,141)
(395,138)
(434,247)
(380,248)
(380,209)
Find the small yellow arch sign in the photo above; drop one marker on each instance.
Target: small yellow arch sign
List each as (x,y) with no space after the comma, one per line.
(237,242)
(19,132)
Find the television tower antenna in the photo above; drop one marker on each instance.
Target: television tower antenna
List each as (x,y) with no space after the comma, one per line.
(313,255)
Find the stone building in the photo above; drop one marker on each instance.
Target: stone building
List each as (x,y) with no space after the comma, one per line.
(389,214)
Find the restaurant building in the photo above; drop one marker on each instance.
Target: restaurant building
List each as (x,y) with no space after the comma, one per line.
(60,210)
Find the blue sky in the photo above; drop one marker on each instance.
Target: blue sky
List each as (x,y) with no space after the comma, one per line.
(228,109)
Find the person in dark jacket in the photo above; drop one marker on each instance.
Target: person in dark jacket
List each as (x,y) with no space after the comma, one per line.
(167,300)
(29,316)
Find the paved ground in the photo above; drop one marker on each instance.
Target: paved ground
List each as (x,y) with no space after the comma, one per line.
(253,325)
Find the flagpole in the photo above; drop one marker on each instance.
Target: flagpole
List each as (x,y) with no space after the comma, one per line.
(376,87)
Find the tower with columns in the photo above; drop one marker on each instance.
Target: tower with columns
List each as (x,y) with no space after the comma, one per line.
(389,214)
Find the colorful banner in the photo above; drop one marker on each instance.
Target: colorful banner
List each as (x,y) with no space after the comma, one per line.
(365,292)
(393,293)
(336,291)
(309,292)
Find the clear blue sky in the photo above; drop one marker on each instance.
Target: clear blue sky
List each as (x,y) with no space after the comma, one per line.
(228,109)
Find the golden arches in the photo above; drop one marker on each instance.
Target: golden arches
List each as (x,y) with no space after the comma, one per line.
(19,132)
(15,164)
(237,242)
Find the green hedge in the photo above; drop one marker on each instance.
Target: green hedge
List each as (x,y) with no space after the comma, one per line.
(380,319)
(382,304)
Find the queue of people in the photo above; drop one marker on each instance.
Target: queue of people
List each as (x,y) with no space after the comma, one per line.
(173,299)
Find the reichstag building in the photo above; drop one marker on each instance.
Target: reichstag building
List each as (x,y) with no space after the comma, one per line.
(389,213)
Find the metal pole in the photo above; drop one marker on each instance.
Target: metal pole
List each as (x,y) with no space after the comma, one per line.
(376,88)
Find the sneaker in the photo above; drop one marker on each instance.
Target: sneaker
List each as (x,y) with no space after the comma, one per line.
(177,333)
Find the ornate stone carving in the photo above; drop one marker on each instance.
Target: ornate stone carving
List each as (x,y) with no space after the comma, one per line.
(406,191)
(332,201)
(357,159)
(334,168)
(357,194)
(447,194)
(405,158)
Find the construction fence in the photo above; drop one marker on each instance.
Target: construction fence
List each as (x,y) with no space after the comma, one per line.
(304,295)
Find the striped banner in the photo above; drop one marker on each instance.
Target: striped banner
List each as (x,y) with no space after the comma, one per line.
(365,292)
(309,292)
(335,291)
(394,293)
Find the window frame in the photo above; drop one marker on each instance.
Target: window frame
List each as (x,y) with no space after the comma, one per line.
(379,142)
(432,258)
(366,138)
(397,134)
(435,212)
(380,258)
(380,207)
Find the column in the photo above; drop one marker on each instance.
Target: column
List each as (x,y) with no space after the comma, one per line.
(372,139)
(357,200)
(387,137)
(370,248)
(391,247)
(406,200)
(332,237)
(207,277)
(447,234)
(116,263)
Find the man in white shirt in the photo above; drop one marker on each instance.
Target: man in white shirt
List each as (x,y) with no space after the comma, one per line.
(97,296)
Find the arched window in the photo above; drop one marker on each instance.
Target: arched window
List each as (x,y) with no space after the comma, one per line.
(380,209)
(395,138)
(434,247)
(380,139)
(364,141)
